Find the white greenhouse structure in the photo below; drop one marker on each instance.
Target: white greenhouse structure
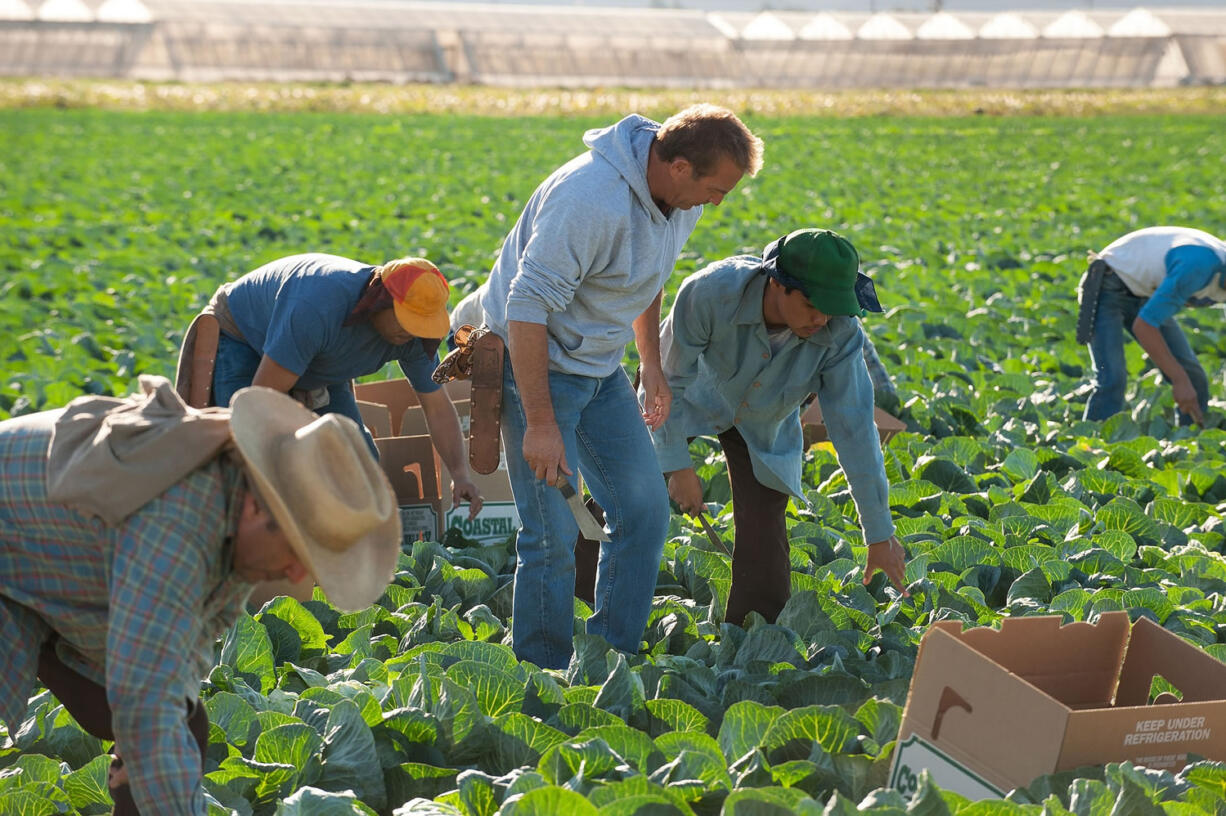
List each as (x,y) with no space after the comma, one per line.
(505,44)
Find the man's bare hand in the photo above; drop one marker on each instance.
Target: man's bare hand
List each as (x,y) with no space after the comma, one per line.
(685,488)
(657,396)
(463,489)
(544,451)
(1186,400)
(889,557)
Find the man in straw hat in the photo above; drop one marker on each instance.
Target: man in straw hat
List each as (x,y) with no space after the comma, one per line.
(310,324)
(747,340)
(131,532)
(580,275)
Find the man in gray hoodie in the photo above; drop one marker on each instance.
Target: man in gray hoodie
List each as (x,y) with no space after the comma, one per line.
(579,275)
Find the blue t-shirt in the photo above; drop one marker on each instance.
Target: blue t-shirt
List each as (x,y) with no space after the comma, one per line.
(1188,270)
(292,310)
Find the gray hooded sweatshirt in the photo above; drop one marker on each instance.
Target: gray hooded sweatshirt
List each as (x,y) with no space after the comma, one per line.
(589,252)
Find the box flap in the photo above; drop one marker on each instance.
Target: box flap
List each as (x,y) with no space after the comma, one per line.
(398,394)
(1153,650)
(413,422)
(395,394)
(412,467)
(376,418)
(987,719)
(1077,664)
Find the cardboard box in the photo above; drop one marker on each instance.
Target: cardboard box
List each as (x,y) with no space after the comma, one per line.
(498,519)
(412,466)
(413,422)
(990,710)
(376,418)
(397,395)
(419,477)
(815,428)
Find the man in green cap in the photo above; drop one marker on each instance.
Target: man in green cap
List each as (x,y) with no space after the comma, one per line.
(747,341)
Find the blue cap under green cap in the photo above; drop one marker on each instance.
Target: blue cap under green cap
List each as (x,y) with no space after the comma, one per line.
(826,267)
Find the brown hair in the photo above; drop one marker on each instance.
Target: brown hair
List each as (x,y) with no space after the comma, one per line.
(703,134)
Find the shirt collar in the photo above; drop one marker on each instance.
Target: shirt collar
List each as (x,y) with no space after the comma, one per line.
(749,310)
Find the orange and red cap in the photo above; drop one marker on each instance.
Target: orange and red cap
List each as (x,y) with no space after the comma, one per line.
(419,296)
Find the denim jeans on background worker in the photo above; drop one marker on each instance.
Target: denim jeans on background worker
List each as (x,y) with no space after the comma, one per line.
(606,441)
(1117,309)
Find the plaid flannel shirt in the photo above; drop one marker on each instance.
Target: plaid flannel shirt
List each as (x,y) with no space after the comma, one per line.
(137,607)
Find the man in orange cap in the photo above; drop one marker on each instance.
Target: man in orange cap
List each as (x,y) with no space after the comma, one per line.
(309,324)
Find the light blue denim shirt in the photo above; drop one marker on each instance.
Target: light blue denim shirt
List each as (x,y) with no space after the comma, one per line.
(719,365)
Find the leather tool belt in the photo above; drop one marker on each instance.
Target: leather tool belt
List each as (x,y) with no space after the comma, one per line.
(197,357)
(1087,297)
(478,357)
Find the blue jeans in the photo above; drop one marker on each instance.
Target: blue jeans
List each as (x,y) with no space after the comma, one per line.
(1117,309)
(603,431)
(236,366)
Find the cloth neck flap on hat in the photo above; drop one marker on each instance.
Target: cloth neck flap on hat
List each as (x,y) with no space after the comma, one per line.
(109,457)
(375,298)
(866,294)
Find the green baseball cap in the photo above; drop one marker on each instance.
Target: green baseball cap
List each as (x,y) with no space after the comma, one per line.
(822,264)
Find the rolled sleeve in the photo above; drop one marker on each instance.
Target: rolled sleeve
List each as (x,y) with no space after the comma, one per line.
(158,578)
(846,396)
(683,338)
(1188,270)
(555,259)
(418,368)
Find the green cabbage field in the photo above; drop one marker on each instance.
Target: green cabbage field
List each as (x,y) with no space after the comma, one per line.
(117,226)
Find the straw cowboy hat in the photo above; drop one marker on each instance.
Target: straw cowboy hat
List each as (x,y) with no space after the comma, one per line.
(317,478)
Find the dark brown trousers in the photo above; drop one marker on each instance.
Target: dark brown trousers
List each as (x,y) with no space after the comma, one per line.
(86,702)
(761,566)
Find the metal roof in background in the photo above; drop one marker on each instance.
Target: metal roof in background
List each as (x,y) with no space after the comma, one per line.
(15,10)
(65,11)
(439,16)
(494,42)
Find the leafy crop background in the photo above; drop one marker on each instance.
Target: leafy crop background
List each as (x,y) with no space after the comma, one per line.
(118,226)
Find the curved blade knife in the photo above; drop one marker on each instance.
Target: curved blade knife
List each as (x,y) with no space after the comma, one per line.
(588,526)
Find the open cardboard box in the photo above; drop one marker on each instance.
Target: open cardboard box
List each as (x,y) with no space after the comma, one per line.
(990,710)
(395,396)
(412,466)
(393,414)
(815,428)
